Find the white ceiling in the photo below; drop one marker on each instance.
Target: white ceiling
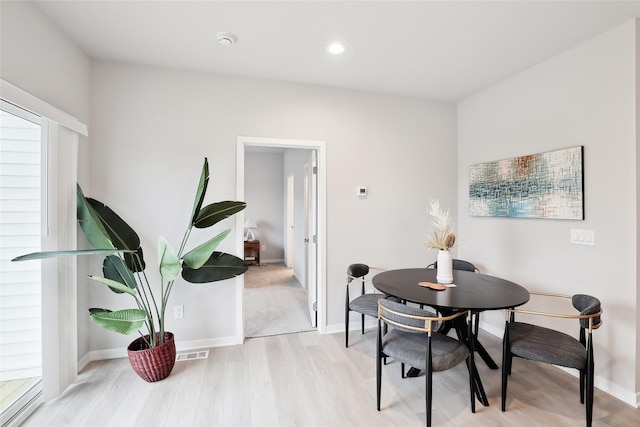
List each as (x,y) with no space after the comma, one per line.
(445,50)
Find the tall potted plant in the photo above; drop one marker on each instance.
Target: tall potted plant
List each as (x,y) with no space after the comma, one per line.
(152,355)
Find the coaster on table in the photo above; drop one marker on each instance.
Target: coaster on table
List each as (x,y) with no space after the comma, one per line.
(434,286)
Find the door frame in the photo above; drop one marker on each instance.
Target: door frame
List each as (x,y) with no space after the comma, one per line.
(310,227)
(320,146)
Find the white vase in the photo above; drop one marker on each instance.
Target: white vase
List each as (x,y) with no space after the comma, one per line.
(444,272)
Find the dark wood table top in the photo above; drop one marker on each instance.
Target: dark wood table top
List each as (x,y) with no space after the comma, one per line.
(473,291)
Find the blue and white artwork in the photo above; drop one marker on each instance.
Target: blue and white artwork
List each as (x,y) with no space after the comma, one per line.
(546,185)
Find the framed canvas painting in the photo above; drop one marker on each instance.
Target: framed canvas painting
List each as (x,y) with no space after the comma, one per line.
(546,185)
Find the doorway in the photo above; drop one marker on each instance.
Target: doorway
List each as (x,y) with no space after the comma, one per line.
(314,233)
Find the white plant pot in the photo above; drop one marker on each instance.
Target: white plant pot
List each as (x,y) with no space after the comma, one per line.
(444,272)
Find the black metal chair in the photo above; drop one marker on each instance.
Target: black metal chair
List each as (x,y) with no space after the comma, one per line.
(546,345)
(365,303)
(413,339)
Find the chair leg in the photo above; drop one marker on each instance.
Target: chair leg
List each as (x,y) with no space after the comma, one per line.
(346,327)
(589,405)
(362,323)
(471,365)
(402,371)
(472,390)
(505,378)
(589,381)
(428,385)
(506,366)
(378,366)
(582,384)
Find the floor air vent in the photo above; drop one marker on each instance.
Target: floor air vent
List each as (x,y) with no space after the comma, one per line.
(194,355)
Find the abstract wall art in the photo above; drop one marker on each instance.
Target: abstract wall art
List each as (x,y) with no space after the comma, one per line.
(546,185)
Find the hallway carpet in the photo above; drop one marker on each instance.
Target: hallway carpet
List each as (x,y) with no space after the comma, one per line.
(274,302)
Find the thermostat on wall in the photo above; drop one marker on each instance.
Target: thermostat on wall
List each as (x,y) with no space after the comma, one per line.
(362,191)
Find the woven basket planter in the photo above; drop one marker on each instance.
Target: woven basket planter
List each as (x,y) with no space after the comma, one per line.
(152,364)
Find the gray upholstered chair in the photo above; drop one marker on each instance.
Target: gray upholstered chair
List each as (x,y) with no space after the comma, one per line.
(546,345)
(364,303)
(413,339)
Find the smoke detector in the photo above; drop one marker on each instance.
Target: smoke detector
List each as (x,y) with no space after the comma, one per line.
(226,39)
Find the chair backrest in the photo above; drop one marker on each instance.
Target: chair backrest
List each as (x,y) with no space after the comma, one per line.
(412,319)
(357,270)
(587,305)
(405,317)
(459,264)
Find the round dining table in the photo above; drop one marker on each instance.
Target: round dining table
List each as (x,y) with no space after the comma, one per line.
(469,291)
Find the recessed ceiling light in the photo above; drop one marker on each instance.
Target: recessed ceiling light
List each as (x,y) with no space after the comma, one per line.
(336,48)
(226,39)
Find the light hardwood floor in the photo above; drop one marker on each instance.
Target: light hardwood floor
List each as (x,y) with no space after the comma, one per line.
(308,379)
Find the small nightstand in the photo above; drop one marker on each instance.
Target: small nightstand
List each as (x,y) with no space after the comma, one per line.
(252,252)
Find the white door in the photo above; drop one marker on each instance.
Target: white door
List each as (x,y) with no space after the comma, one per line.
(289,248)
(311,238)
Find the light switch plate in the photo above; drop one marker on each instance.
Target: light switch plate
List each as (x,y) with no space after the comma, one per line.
(582,237)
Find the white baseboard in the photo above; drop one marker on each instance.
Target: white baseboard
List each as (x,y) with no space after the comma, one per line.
(354,325)
(295,276)
(116,353)
(83,362)
(272,261)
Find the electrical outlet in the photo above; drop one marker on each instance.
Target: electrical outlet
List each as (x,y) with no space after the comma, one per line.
(178,312)
(264,247)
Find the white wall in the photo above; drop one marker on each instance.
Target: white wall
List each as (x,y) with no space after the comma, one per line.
(38,58)
(585,96)
(264,194)
(152,127)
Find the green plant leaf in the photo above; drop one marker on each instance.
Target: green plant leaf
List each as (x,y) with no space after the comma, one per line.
(219,266)
(94,310)
(135,260)
(121,235)
(115,286)
(168,260)
(56,254)
(90,222)
(113,268)
(122,321)
(200,193)
(196,258)
(216,212)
